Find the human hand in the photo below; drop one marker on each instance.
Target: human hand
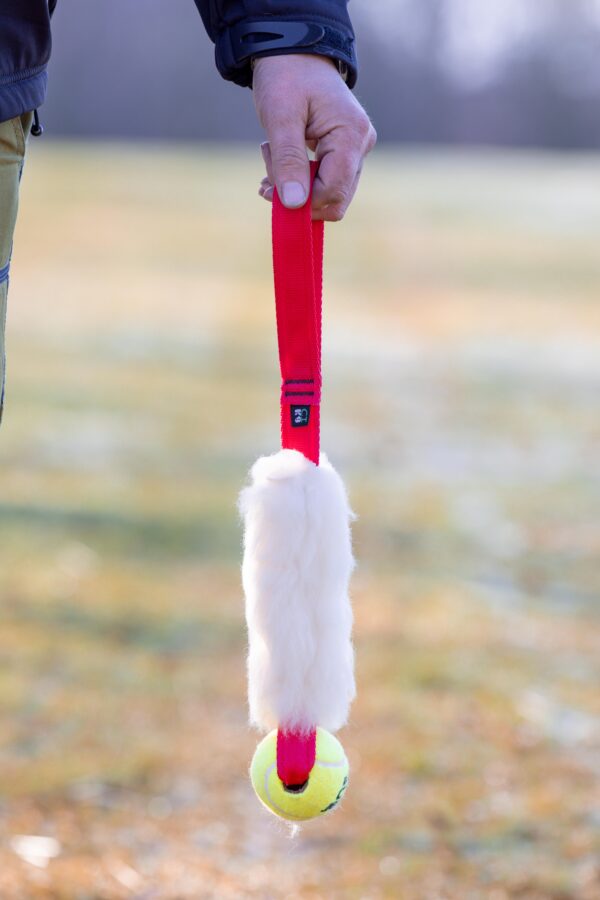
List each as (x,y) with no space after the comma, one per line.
(302,102)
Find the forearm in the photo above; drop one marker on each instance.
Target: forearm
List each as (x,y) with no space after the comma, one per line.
(315,27)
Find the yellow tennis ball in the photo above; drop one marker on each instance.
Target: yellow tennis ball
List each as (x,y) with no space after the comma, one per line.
(323,790)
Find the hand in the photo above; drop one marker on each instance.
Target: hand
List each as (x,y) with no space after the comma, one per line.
(302,102)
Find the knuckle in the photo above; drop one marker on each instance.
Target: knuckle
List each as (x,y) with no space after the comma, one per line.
(289,154)
(361,122)
(335,213)
(337,197)
(364,132)
(365,123)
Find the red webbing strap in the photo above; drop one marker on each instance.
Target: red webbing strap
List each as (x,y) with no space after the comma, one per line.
(298,274)
(296,755)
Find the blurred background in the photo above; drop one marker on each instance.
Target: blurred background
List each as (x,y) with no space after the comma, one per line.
(462,380)
(508,72)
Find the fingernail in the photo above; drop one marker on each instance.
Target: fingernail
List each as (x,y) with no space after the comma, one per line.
(293,194)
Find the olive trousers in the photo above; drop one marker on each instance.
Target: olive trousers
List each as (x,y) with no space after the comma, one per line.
(13,140)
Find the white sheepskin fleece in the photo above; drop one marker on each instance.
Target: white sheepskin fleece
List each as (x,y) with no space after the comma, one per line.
(296,571)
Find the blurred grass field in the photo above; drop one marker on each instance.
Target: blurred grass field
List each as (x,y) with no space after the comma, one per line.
(462,386)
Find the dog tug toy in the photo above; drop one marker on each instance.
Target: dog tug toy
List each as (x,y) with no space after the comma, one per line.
(298,558)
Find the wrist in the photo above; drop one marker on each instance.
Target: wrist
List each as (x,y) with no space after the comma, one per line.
(339,65)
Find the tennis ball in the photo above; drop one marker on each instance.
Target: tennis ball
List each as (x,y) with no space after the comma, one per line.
(323,790)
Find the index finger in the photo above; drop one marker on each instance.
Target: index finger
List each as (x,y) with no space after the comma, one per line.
(340,162)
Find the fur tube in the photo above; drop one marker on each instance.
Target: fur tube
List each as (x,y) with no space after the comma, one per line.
(296,571)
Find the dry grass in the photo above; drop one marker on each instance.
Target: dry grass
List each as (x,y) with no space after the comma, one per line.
(462,377)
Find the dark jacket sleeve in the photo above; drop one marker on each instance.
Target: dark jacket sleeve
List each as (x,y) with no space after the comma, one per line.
(24,51)
(243,29)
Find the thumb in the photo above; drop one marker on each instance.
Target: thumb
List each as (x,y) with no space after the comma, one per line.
(289,161)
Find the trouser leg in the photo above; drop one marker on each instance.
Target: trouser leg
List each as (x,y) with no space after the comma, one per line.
(13,139)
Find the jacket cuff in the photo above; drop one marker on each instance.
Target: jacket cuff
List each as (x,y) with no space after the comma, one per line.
(237,45)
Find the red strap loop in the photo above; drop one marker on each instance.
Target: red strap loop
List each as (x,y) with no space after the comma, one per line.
(298,274)
(296,754)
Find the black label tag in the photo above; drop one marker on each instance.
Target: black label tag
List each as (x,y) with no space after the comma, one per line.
(300,416)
